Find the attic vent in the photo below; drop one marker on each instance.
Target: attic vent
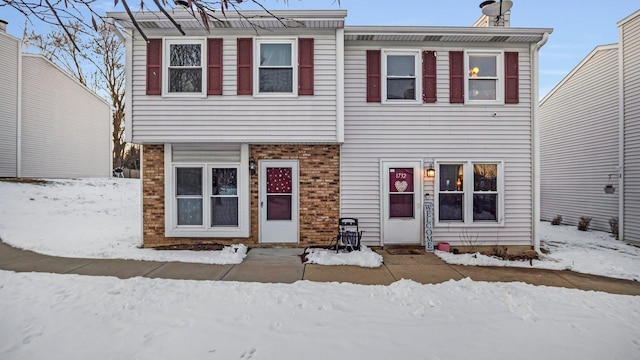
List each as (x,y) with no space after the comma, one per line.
(365,37)
(432,38)
(221,24)
(499,38)
(148,24)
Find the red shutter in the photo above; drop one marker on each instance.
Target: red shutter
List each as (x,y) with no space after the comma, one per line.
(429,92)
(373,76)
(456,77)
(214,66)
(305,66)
(154,67)
(511,78)
(245,66)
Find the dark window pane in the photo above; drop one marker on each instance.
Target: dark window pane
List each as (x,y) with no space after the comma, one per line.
(401,65)
(482,66)
(278,207)
(188,181)
(185,80)
(482,89)
(224,211)
(485,177)
(224,181)
(451,178)
(185,55)
(189,211)
(279,181)
(275,54)
(400,205)
(401,89)
(485,207)
(450,207)
(276,80)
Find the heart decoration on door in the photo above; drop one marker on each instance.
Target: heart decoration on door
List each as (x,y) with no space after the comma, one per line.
(401,186)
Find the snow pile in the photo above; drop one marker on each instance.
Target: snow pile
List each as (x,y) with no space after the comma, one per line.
(88,218)
(365,257)
(47,316)
(589,252)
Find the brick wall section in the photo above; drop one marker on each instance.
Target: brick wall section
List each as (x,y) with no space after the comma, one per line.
(319,167)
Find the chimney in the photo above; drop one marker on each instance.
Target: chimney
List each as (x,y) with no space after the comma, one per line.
(497,19)
(3,26)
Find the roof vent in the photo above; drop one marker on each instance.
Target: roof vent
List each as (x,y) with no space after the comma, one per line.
(432,38)
(148,24)
(365,37)
(3,26)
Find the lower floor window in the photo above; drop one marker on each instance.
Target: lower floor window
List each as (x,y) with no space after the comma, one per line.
(469,192)
(207,198)
(221,200)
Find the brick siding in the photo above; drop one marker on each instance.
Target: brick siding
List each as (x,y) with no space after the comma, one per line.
(319,167)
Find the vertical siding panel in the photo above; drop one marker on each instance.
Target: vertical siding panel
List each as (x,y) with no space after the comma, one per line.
(579,143)
(429,84)
(456,77)
(245,66)
(374,71)
(9,58)
(305,66)
(154,67)
(631,130)
(511,78)
(214,66)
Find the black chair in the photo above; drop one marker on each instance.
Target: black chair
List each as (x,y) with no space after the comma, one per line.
(349,235)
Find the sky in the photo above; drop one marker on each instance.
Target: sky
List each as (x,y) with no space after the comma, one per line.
(579,25)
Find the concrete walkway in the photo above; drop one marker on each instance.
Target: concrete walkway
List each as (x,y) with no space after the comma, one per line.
(285,266)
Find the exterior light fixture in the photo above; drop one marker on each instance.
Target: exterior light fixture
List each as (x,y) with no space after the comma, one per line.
(430,171)
(252,167)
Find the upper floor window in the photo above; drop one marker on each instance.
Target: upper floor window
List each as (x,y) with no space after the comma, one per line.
(401,76)
(484,75)
(276,72)
(185,66)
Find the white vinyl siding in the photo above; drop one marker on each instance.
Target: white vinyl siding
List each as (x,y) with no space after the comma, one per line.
(579,144)
(65,127)
(239,119)
(630,32)
(433,132)
(9,67)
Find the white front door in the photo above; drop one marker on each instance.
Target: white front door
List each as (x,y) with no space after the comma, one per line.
(401,202)
(278,200)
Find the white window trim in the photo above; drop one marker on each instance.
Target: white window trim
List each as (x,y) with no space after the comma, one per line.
(468,195)
(165,65)
(205,230)
(294,64)
(499,81)
(417,53)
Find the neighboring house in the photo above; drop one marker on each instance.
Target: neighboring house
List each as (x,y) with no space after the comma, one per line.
(590,138)
(51,126)
(266,135)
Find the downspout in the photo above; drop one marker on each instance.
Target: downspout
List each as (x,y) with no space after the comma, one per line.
(340,85)
(621,126)
(535,48)
(19,114)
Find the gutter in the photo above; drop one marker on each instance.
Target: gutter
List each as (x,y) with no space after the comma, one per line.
(535,137)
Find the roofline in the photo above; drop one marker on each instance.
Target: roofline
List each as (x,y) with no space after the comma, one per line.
(629,18)
(593,52)
(444,30)
(179,14)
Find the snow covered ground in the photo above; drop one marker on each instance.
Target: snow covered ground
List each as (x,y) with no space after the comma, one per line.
(50,316)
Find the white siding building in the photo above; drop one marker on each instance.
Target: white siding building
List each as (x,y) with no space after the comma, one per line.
(590,138)
(50,125)
(315,121)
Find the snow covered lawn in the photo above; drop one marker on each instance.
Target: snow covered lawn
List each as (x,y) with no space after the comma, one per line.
(50,316)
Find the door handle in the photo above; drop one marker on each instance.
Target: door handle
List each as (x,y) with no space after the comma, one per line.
(261,203)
